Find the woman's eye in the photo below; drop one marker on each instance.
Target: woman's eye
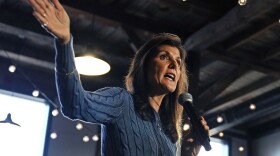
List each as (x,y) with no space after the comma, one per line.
(164,57)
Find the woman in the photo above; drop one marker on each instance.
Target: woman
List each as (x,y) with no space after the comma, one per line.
(143,119)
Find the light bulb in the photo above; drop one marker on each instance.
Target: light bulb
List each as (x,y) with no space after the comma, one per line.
(35,93)
(55,112)
(252,106)
(220,119)
(221,134)
(12,68)
(79,126)
(242,2)
(241,149)
(53,135)
(95,138)
(85,138)
(186,127)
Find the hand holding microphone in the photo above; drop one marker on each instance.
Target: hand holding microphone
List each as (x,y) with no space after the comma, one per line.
(185,99)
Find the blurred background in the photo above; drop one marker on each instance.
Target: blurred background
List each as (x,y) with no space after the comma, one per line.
(233,63)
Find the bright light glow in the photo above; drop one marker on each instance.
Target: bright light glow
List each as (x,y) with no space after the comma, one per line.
(221,134)
(252,106)
(35,93)
(88,65)
(241,149)
(79,126)
(32,115)
(186,127)
(55,112)
(53,135)
(12,68)
(95,138)
(218,149)
(242,2)
(85,138)
(220,119)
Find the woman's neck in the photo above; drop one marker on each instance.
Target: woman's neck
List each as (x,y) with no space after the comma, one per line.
(155,101)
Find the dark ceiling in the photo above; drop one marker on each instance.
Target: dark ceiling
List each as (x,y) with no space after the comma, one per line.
(234,51)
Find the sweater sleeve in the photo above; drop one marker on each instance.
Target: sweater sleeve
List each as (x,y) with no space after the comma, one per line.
(100,106)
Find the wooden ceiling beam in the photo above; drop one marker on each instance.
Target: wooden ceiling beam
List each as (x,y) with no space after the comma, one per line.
(208,95)
(133,39)
(193,6)
(222,103)
(235,116)
(22,59)
(271,54)
(116,13)
(47,43)
(249,64)
(234,21)
(32,37)
(225,101)
(82,23)
(245,36)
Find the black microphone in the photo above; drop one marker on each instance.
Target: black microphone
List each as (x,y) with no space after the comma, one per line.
(186,100)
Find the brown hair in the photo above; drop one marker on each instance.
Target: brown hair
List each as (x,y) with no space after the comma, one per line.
(136,83)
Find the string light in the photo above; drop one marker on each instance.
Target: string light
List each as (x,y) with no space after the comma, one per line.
(220,119)
(95,138)
(241,149)
(252,106)
(85,138)
(221,134)
(35,93)
(242,2)
(186,127)
(12,68)
(79,126)
(55,112)
(53,135)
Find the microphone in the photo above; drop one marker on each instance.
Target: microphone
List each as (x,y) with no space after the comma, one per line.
(186,100)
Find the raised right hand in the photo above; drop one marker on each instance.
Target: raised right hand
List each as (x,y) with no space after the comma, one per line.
(52,17)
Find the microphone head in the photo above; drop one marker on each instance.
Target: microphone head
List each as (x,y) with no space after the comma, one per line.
(185,97)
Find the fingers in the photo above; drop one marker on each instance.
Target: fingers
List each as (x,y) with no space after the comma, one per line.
(57,4)
(40,18)
(38,6)
(42,8)
(205,126)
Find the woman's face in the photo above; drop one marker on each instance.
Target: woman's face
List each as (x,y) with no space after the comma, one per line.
(164,70)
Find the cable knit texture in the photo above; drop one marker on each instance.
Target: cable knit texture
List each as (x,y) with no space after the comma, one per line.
(124,133)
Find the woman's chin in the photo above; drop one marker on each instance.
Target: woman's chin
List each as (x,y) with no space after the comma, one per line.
(170,89)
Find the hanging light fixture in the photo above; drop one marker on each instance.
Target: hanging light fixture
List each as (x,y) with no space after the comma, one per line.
(89,65)
(9,120)
(242,2)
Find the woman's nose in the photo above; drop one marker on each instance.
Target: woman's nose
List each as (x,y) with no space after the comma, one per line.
(173,64)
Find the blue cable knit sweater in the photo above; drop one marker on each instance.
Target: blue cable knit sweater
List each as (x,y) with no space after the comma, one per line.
(124,133)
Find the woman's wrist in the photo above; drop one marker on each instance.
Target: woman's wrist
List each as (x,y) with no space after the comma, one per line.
(65,39)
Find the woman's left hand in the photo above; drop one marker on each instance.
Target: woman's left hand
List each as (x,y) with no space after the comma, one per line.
(204,124)
(190,145)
